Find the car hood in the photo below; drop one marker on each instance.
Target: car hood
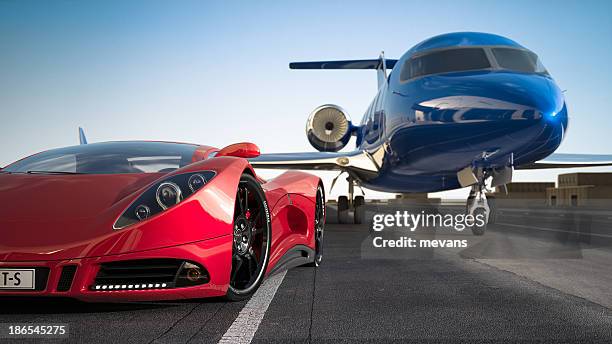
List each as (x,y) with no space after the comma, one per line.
(49,213)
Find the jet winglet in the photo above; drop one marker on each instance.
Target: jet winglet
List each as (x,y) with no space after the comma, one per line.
(82,138)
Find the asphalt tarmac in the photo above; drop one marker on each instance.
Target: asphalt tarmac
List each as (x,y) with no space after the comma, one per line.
(507,286)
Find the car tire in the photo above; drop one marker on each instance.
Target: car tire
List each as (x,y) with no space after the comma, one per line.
(251,221)
(319,230)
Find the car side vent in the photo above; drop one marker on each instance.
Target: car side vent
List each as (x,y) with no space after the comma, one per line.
(65,280)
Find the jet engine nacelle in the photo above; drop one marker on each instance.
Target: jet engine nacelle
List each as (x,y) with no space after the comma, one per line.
(328,128)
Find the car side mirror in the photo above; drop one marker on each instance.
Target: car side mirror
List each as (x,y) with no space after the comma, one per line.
(240,150)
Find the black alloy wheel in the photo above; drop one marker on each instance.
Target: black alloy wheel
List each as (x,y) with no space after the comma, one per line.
(251,242)
(319,224)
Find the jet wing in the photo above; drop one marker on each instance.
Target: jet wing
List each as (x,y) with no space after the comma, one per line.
(360,163)
(564,160)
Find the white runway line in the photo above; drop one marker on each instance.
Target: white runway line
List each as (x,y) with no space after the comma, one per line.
(247,322)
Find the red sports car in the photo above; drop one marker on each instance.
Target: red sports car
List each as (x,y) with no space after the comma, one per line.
(128,221)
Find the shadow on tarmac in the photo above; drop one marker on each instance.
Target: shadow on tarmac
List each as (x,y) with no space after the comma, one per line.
(58,305)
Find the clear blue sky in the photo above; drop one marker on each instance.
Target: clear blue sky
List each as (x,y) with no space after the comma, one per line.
(217,72)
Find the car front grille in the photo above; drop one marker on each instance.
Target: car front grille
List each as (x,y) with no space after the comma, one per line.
(148,271)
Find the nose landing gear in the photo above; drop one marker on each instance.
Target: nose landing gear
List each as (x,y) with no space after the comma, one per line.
(477,204)
(478,207)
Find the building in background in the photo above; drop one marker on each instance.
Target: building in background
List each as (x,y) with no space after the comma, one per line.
(581,190)
(572,190)
(521,195)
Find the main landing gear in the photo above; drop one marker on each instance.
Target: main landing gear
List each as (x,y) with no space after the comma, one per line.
(354,203)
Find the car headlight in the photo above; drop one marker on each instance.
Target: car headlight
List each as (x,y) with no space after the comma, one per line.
(163,195)
(168,194)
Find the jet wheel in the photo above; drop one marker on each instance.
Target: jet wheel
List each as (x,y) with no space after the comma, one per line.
(476,229)
(359,214)
(343,210)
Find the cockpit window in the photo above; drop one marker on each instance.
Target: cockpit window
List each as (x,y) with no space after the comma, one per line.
(445,61)
(518,60)
(108,158)
(467,59)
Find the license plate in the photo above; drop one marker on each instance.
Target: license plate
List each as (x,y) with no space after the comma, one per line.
(17,278)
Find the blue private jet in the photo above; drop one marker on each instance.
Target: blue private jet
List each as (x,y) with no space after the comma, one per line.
(457,110)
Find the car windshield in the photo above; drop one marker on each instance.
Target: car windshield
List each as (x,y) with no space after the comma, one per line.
(518,60)
(444,61)
(108,158)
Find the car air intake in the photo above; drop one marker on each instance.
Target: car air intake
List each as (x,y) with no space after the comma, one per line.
(149,274)
(65,280)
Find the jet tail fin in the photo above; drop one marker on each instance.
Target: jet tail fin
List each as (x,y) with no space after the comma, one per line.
(381,70)
(82,138)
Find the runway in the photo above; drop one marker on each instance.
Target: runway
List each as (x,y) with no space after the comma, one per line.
(507,286)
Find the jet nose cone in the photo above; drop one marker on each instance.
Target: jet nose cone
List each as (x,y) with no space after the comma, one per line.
(546,99)
(491,117)
(495,97)
(540,119)
(537,92)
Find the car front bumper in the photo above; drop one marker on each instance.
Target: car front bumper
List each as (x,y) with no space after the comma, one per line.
(214,255)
